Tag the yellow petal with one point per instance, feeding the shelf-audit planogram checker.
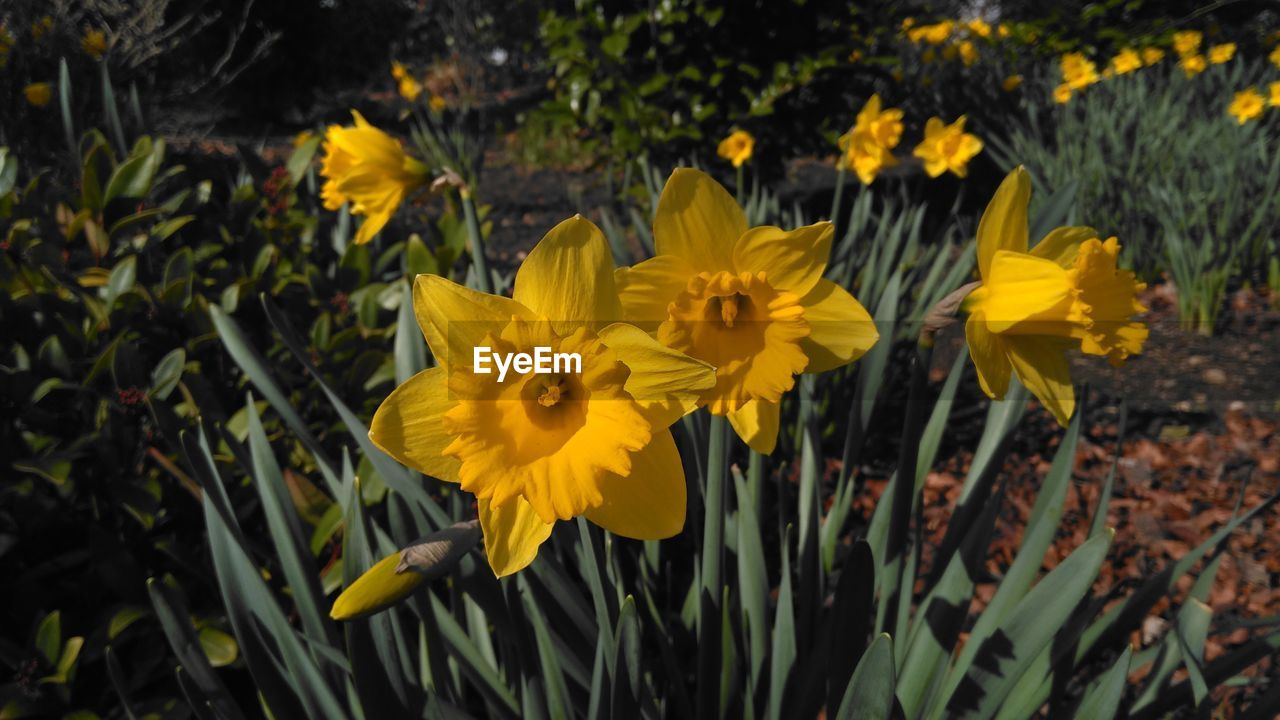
(667, 383)
(407, 425)
(1004, 223)
(454, 318)
(756, 423)
(791, 260)
(989, 357)
(648, 504)
(568, 278)
(840, 329)
(1025, 289)
(1041, 364)
(649, 287)
(1061, 244)
(377, 589)
(698, 220)
(512, 534)
(373, 224)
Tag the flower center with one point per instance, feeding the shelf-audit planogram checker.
(746, 328)
(550, 438)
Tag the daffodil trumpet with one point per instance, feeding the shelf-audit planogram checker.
(536, 448)
(751, 302)
(1037, 303)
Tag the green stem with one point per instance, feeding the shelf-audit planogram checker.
(837, 198)
(903, 491)
(741, 172)
(484, 282)
(709, 615)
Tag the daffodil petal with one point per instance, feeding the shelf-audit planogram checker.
(792, 260)
(665, 382)
(568, 278)
(377, 589)
(1061, 244)
(407, 425)
(648, 504)
(840, 329)
(455, 319)
(698, 220)
(1041, 364)
(512, 534)
(990, 357)
(1004, 223)
(1023, 288)
(647, 289)
(756, 423)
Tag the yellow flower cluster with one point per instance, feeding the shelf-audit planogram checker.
(411, 89)
(1078, 73)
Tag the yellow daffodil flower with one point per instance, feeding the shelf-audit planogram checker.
(1034, 305)
(934, 34)
(1011, 83)
(868, 147)
(968, 53)
(947, 147)
(1126, 61)
(1078, 72)
(536, 447)
(41, 28)
(94, 43)
(1248, 104)
(1187, 42)
(752, 302)
(437, 103)
(1273, 94)
(1193, 65)
(1062, 94)
(1219, 54)
(398, 70)
(1003, 31)
(1152, 55)
(368, 168)
(737, 148)
(979, 27)
(38, 94)
(407, 85)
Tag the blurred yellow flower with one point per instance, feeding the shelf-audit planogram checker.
(38, 94)
(1192, 65)
(1152, 55)
(934, 34)
(94, 43)
(855, 56)
(1126, 61)
(1219, 54)
(1273, 94)
(751, 302)
(1011, 83)
(908, 23)
(947, 147)
(1034, 305)
(41, 27)
(1247, 104)
(1002, 30)
(1187, 42)
(1078, 72)
(1274, 57)
(398, 70)
(437, 103)
(1062, 93)
(302, 137)
(979, 27)
(534, 447)
(867, 148)
(409, 88)
(968, 53)
(368, 168)
(737, 148)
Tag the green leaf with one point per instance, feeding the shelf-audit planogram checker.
(49, 636)
(784, 636)
(121, 280)
(870, 692)
(627, 664)
(123, 618)
(133, 177)
(166, 374)
(1028, 629)
(171, 610)
(220, 648)
(1101, 700)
